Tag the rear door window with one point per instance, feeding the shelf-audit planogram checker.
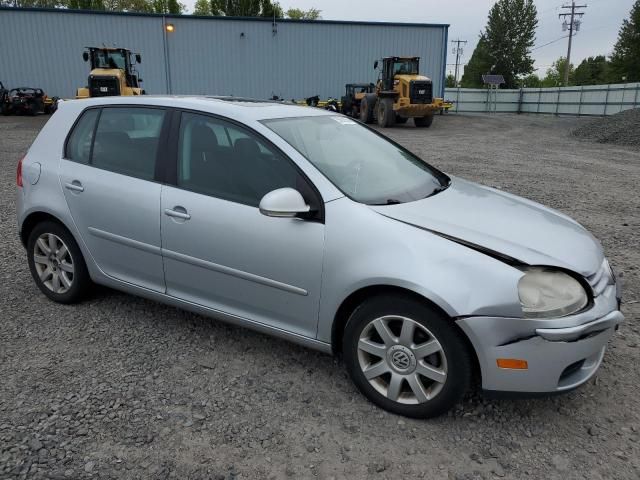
(127, 139)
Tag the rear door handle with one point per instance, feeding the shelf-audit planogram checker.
(75, 186)
(177, 212)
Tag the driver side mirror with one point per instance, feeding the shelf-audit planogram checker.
(85, 56)
(138, 58)
(375, 65)
(283, 203)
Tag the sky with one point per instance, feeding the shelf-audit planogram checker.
(467, 18)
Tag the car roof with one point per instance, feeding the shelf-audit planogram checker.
(244, 109)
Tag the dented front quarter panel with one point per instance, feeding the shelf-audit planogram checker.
(364, 249)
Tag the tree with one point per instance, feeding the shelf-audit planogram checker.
(168, 6)
(270, 9)
(246, 8)
(479, 64)
(298, 14)
(530, 81)
(202, 7)
(510, 36)
(85, 5)
(625, 60)
(450, 82)
(593, 71)
(555, 74)
(32, 3)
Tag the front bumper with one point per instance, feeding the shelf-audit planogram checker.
(561, 353)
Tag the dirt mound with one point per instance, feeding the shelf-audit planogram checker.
(620, 129)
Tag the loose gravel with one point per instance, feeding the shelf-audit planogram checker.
(621, 129)
(121, 387)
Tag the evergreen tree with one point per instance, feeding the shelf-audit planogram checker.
(625, 60)
(593, 71)
(479, 64)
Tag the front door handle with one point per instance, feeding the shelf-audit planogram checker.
(75, 186)
(177, 212)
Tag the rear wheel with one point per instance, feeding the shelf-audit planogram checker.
(386, 115)
(367, 106)
(56, 263)
(406, 357)
(423, 122)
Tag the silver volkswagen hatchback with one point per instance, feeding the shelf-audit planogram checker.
(310, 226)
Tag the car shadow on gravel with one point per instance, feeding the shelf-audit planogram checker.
(239, 341)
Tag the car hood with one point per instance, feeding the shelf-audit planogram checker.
(503, 223)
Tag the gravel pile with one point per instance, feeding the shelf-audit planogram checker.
(119, 387)
(620, 129)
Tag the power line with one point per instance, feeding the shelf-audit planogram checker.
(575, 20)
(549, 43)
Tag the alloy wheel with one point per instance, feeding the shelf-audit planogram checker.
(402, 359)
(53, 263)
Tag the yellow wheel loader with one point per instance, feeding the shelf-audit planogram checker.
(112, 73)
(401, 93)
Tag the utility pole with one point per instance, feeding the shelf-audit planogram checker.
(572, 26)
(458, 51)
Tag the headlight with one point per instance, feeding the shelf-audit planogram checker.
(546, 293)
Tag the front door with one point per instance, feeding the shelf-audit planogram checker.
(109, 186)
(219, 251)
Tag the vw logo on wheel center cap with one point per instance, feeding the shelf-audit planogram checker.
(401, 359)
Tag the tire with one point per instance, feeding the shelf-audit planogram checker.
(69, 267)
(448, 360)
(367, 108)
(423, 122)
(386, 115)
(401, 120)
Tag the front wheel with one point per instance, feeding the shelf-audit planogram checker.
(406, 357)
(386, 116)
(56, 263)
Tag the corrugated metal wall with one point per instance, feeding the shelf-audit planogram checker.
(587, 100)
(212, 56)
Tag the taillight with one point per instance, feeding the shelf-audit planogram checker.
(19, 173)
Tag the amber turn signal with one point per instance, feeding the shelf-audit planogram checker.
(512, 363)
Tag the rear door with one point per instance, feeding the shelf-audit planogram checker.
(109, 180)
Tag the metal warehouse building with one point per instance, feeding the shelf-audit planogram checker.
(251, 57)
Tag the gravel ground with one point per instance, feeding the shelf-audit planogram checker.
(120, 387)
(621, 129)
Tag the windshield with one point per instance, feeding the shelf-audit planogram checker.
(405, 67)
(362, 164)
(108, 59)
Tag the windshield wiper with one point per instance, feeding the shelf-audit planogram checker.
(390, 201)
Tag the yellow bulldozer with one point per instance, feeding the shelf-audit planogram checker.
(112, 73)
(401, 93)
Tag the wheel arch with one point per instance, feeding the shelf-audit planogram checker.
(33, 219)
(350, 303)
